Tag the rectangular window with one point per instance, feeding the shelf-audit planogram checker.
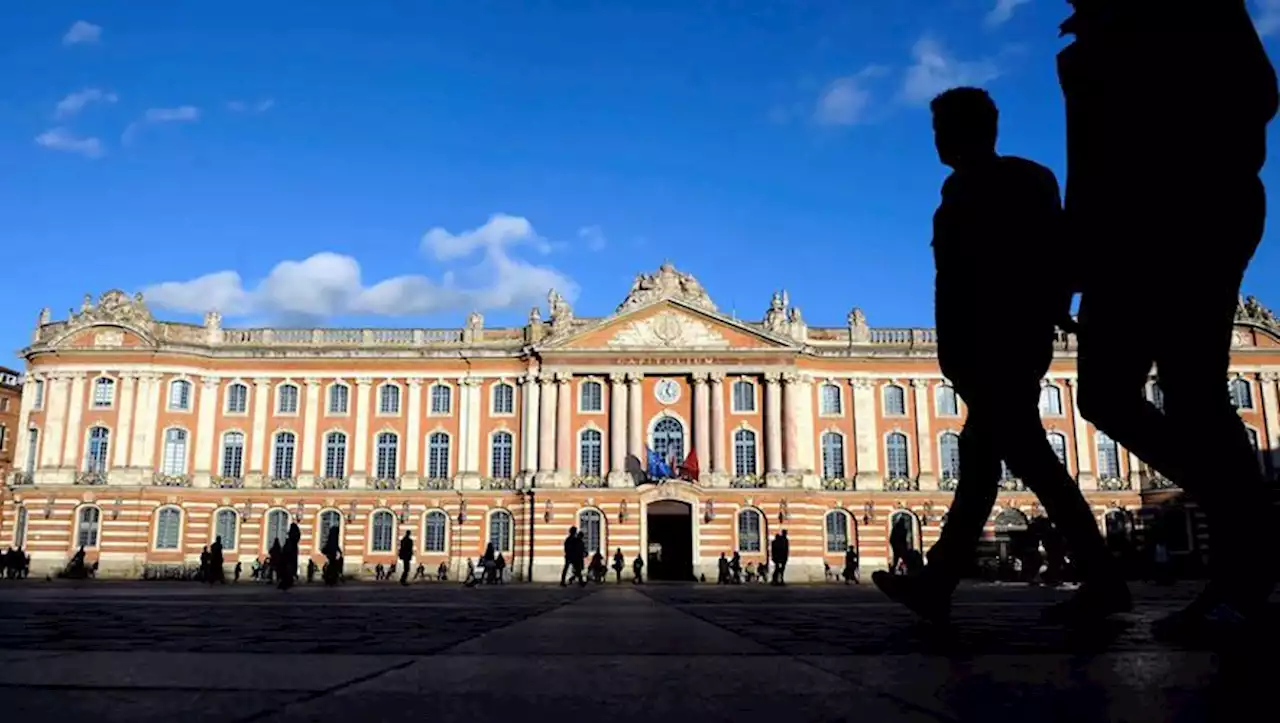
(33, 445)
(38, 401)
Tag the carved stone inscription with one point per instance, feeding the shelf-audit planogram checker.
(668, 330)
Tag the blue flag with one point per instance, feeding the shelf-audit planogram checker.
(658, 468)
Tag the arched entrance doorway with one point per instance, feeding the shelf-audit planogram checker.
(670, 540)
(1011, 538)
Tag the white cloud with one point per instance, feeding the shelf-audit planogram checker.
(60, 139)
(1267, 17)
(240, 106)
(1003, 11)
(75, 102)
(935, 71)
(594, 237)
(845, 100)
(327, 284)
(82, 32)
(181, 114)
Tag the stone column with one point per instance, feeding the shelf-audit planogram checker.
(360, 457)
(530, 392)
(56, 404)
(618, 431)
(635, 418)
(1134, 466)
(124, 403)
(1270, 437)
(143, 446)
(22, 434)
(701, 422)
(719, 457)
(928, 479)
(806, 443)
(866, 435)
(311, 411)
(469, 455)
(547, 431)
(791, 416)
(773, 427)
(1084, 460)
(564, 432)
(75, 411)
(413, 433)
(258, 444)
(205, 442)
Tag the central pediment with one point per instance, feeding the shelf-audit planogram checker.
(668, 329)
(669, 325)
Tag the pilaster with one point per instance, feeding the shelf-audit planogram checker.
(360, 456)
(1080, 432)
(547, 431)
(618, 431)
(773, 428)
(719, 456)
(866, 435)
(125, 402)
(928, 479)
(469, 455)
(311, 411)
(413, 432)
(143, 449)
(55, 419)
(701, 421)
(206, 417)
(258, 436)
(635, 422)
(21, 457)
(75, 411)
(1271, 418)
(530, 396)
(564, 431)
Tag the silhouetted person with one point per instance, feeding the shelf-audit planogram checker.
(239, 569)
(216, 561)
(273, 559)
(722, 569)
(735, 568)
(850, 572)
(311, 570)
(899, 543)
(406, 555)
(571, 554)
(637, 570)
(205, 573)
(619, 562)
(1167, 109)
(288, 569)
(333, 558)
(994, 249)
(781, 550)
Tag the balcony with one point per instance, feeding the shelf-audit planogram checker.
(838, 484)
(747, 482)
(1114, 484)
(949, 484)
(282, 483)
(901, 484)
(1012, 484)
(227, 483)
(91, 478)
(20, 479)
(588, 482)
(386, 483)
(498, 483)
(437, 483)
(171, 480)
(1158, 482)
(333, 483)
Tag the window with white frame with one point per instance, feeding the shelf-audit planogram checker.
(948, 405)
(837, 524)
(99, 448)
(330, 524)
(20, 530)
(33, 447)
(38, 401)
(282, 456)
(501, 457)
(1241, 393)
(744, 396)
(504, 398)
(1050, 401)
(168, 526)
(237, 398)
(589, 453)
(441, 399)
(591, 525)
(438, 455)
(897, 461)
(335, 455)
(1058, 443)
(87, 523)
(750, 531)
(339, 398)
(500, 530)
(388, 399)
(388, 455)
(232, 454)
(895, 401)
(435, 528)
(832, 455)
(179, 395)
(104, 392)
(829, 400)
(225, 526)
(591, 396)
(384, 526)
(277, 528)
(744, 453)
(1108, 456)
(949, 456)
(288, 399)
(173, 461)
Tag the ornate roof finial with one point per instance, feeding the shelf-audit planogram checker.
(667, 283)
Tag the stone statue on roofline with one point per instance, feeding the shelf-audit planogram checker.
(859, 331)
(666, 283)
(1250, 310)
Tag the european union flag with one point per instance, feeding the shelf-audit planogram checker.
(658, 467)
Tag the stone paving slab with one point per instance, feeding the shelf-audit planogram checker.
(132, 706)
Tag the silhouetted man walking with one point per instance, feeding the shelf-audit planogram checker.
(406, 555)
(998, 286)
(1167, 108)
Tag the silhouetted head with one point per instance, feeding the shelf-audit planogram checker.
(964, 126)
(573, 532)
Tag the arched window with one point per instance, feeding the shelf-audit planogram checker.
(104, 392)
(829, 400)
(87, 523)
(339, 398)
(501, 455)
(902, 527)
(384, 526)
(591, 525)
(949, 455)
(897, 463)
(832, 455)
(237, 398)
(277, 528)
(948, 405)
(838, 539)
(744, 396)
(232, 454)
(504, 398)
(744, 453)
(174, 459)
(388, 447)
(179, 395)
(668, 439)
(1241, 393)
(591, 396)
(99, 447)
(895, 401)
(287, 403)
(1108, 456)
(335, 455)
(168, 525)
(20, 530)
(1156, 395)
(330, 523)
(500, 530)
(1058, 442)
(433, 536)
(750, 531)
(282, 464)
(225, 524)
(1050, 401)
(441, 399)
(388, 399)
(438, 455)
(589, 454)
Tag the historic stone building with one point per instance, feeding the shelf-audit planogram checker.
(10, 402)
(142, 439)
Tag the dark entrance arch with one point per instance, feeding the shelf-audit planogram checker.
(1011, 528)
(670, 541)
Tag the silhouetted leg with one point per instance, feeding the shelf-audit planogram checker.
(974, 497)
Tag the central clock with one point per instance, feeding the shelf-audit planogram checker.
(667, 391)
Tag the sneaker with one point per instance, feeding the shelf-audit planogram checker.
(917, 593)
(1091, 604)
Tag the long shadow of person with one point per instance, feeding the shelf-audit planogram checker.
(994, 248)
(1166, 134)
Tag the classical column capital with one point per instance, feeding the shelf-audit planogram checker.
(414, 382)
(529, 378)
(547, 381)
(1269, 376)
(311, 382)
(563, 378)
(130, 376)
(471, 381)
(364, 381)
(790, 377)
(716, 377)
(862, 383)
(1070, 382)
(699, 378)
(210, 382)
(920, 383)
(634, 377)
(772, 377)
(618, 378)
(261, 382)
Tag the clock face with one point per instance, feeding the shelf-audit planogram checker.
(667, 391)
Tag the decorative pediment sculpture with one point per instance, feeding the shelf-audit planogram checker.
(670, 330)
(667, 283)
(1250, 310)
(775, 319)
(561, 313)
(859, 331)
(113, 307)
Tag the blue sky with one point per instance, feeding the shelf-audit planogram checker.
(400, 163)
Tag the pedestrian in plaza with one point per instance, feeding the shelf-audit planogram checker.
(203, 574)
(722, 569)
(239, 569)
(311, 570)
(995, 246)
(406, 556)
(216, 561)
(287, 570)
(619, 562)
(735, 568)
(571, 553)
(1167, 115)
(333, 558)
(851, 566)
(781, 550)
(637, 570)
(899, 543)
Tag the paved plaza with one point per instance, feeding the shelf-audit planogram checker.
(108, 651)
